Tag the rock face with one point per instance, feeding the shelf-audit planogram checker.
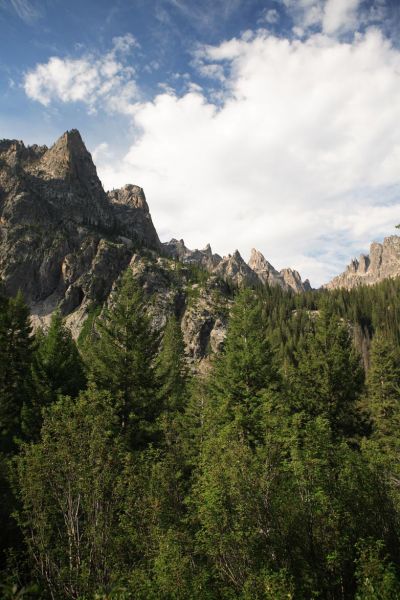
(286, 278)
(63, 241)
(233, 267)
(133, 216)
(382, 262)
(205, 258)
(202, 309)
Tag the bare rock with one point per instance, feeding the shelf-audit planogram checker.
(383, 262)
(234, 268)
(63, 240)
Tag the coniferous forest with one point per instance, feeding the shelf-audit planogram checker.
(274, 475)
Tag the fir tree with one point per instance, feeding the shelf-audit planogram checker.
(58, 362)
(383, 387)
(15, 369)
(57, 370)
(246, 371)
(328, 379)
(121, 360)
(171, 367)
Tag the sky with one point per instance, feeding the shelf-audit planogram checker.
(271, 124)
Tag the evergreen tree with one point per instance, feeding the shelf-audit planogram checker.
(70, 492)
(246, 371)
(328, 379)
(59, 367)
(383, 388)
(57, 370)
(15, 369)
(171, 367)
(121, 359)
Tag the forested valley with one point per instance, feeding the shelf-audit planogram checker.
(273, 475)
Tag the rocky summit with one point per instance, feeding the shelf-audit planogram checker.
(62, 238)
(233, 267)
(382, 262)
(64, 242)
(286, 278)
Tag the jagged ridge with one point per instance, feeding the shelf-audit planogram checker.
(64, 242)
(382, 262)
(257, 270)
(62, 238)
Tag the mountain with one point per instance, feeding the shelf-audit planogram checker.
(286, 278)
(382, 262)
(233, 267)
(62, 238)
(64, 242)
(177, 250)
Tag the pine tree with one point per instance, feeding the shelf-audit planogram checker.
(383, 387)
(171, 367)
(121, 360)
(59, 366)
(246, 371)
(15, 392)
(328, 379)
(15, 369)
(70, 493)
(57, 369)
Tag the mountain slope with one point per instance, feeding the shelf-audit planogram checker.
(62, 238)
(382, 262)
(64, 242)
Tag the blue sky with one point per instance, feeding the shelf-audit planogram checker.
(272, 124)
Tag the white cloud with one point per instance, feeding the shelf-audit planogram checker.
(90, 79)
(294, 148)
(331, 16)
(270, 16)
(301, 159)
(339, 14)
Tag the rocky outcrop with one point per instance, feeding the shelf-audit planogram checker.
(234, 268)
(293, 280)
(202, 309)
(133, 216)
(177, 250)
(63, 240)
(382, 262)
(287, 279)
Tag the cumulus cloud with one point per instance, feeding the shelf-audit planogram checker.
(269, 15)
(339, 14)
(301, 159)
(295, 150)
(331, 16)
(90, 79)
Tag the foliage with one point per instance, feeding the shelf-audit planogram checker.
(271, 474)
(121, 356)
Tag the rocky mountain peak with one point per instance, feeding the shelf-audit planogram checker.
(133, 216)
(63, 241)
(261, 266)
(382, 262)
(287, 279)
(69, 159)
(205, 258)
(237, 257)
(129, 195)
(293, 280)
(235, 268)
